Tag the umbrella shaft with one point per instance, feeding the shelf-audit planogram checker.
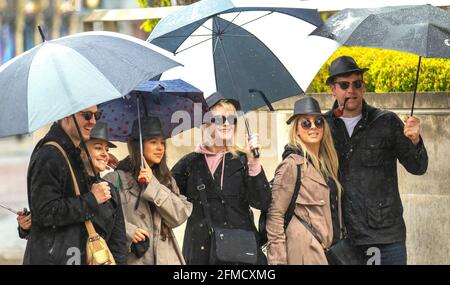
(140, 131)
(415, 85)
(9, 209)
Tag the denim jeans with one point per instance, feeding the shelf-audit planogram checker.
(385, 254)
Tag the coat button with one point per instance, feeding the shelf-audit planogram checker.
(142, 216)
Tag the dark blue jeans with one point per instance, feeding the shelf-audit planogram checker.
(385, 254)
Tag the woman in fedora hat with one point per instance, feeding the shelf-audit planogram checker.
(232, 182)
(317, 207)
(151, 201)
(109, 220)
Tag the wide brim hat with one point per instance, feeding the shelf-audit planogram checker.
(100, 132)
(216, 97)
(305, 106)
(343, 65)
(150, 127)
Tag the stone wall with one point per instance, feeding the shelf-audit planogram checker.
(426, 199)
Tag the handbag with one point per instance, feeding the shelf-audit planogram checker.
(140, 248)
(228, 246)
(341, 253)
(97, 251)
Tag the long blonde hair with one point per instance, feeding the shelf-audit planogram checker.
(327, 164)
(234, 149)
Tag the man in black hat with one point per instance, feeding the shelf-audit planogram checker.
(369, 142)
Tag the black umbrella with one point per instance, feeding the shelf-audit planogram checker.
(423, 30)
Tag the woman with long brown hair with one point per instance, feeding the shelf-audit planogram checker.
(316, 221)
(151, 202)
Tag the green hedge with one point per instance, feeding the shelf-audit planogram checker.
(390, 71)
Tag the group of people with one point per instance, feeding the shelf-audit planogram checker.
(341, 165)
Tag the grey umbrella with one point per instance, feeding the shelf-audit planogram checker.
(423, 30)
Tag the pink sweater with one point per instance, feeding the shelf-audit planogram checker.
(213, 160)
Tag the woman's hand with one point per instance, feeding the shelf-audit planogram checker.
(139, 235)
(145, 173)
(253, 142)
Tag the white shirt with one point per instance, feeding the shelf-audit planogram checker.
(350, 123)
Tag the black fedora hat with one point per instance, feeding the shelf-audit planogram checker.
(100, 132)
(343, 65)
(305, 106)
(150, 127)
(216, 97)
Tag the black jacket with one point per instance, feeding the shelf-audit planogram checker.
(239, 189)
(373, 211)
(58, 228)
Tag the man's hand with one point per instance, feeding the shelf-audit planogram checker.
(101, 191)
(24, 220)
(412, 129)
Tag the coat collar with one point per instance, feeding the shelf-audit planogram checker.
(57, 134)
(311, 172)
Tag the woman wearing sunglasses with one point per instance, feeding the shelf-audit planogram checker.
(232, 181)
(108, 221)
(317, 206)
(151, 201)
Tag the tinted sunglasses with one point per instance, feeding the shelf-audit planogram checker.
(88, 115)
(220, 120)
(307, 124)
(357, 84)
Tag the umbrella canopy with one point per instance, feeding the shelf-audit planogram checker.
(161, 99)
(61, 77)
(423, 29)
(231, 46)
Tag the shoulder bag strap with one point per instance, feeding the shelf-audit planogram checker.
(290, 209)
(89, 226)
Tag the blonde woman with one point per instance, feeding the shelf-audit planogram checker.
(317, 206)
(219, 169)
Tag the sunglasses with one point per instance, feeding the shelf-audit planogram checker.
(307, 124)
(357, 84)
(220, 120)
(88, 115)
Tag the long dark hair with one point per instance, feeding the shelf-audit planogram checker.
(161, 171)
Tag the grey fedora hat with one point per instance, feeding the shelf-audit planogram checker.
(305, 106)
(343, 65)
(100, 132)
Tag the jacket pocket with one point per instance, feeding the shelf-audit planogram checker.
(381, 213)
(371, 157)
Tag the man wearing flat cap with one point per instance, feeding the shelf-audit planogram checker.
(369, 141)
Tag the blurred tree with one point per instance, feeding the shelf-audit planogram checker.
(148, 25)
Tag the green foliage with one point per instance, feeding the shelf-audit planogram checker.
(149, 24)
(391, 71)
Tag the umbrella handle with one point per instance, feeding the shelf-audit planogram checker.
(255, 151)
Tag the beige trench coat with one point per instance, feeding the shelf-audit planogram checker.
(167, 210)
(297, 245)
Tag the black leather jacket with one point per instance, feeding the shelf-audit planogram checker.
(373, 211)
